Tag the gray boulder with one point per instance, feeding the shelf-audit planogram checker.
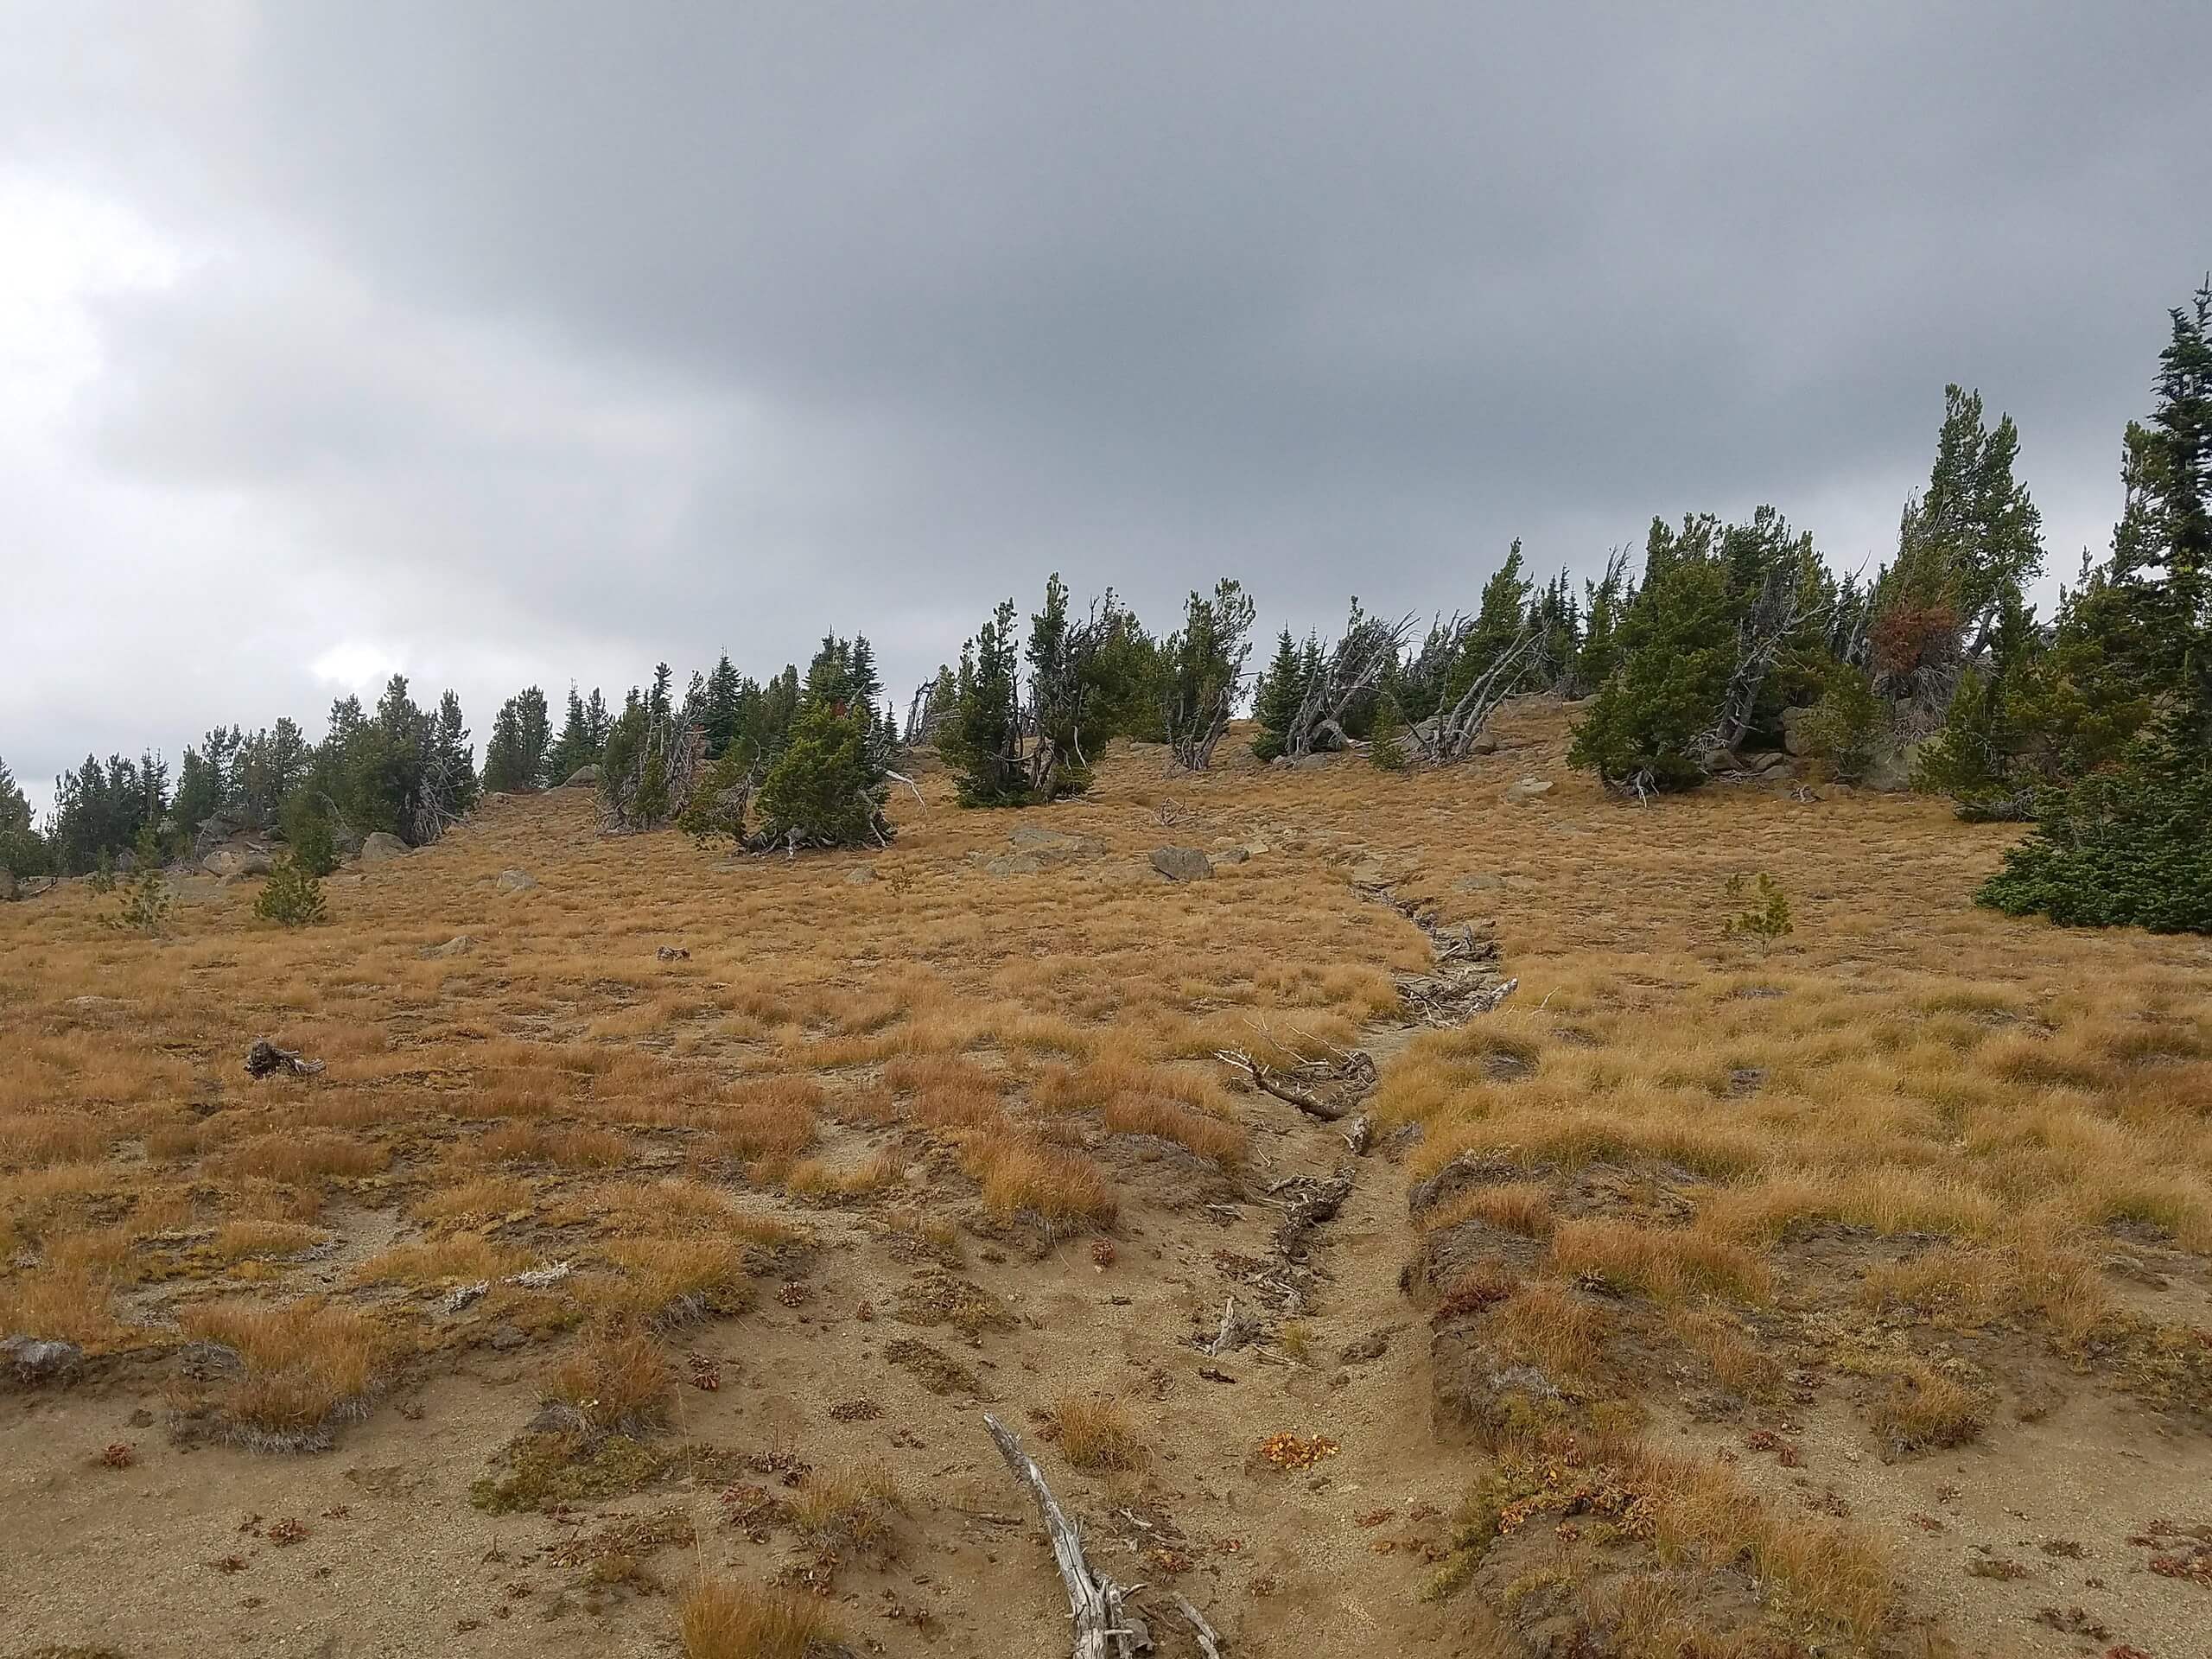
(1763, 760)
(515, 881)
(37, 1360)
(1889, 767)
(1523, 790)
(459, 945)
(582, 778)
(1793, 737)
(380, 848)
(1182, 863)
(1012, 864)
(859, 875)
(229, 861)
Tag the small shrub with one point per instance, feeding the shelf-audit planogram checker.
(1766, 917)
(291, 897)
(145, 906)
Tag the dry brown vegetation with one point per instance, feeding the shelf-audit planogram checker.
(1740, 1255)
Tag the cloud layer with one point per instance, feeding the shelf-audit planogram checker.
(538, 341)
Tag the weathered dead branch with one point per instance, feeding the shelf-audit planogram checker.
(264, 1058)
(1105, 1628)
(1328, 1090)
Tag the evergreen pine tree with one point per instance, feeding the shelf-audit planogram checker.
(1276, 696)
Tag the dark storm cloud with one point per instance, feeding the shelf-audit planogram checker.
(578, 336)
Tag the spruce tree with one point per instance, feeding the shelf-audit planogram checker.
(2125, 843)
(1276, 696)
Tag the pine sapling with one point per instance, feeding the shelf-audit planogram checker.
(1766, 915)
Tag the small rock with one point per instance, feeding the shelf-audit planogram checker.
(1763, 760)
(556, 1417)
(379, 848)
(506, 1338)
(37, 1360)
(459, 945)
(582, 778)
(1012, 864)
(210, 1361)
(672, 953)
(1232, 855)
(1310, 762)
(860, 876)
(1478, 882)
(1524, 790)
(515, 881)
(1483, 744)
(1182, 863)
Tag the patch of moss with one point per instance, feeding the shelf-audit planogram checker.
(544, 1471)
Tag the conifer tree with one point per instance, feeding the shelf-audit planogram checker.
(1276, 696)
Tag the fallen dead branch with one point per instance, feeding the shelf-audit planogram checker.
(264, 1057)
(1328, 1090)
(1105, 1628)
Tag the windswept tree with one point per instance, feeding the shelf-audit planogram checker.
(1968, 546)
(1205, 663)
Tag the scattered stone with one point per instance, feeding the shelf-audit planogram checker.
(210, 1361)
(1182, 863)
(35, 1359)
(582, 778)
(1012, 864)
(861, 876)
(558, 1417)
(1745, 1080)
(459, 945)
(506, 1338)
(1232, 855)
(380, 848)
(1483, 744)
(1309, 762)
(1794, 739)
(1524, 790)
(1480, 881)
(672, 953)
(462, 1295)
(232, 862)
(1763, 760)
(515, 881)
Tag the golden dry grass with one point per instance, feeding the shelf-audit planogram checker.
(1097, 1436)
(1675, 1122)
(720, 1618)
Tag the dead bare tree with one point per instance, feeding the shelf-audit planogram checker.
(1789, 599)
(1450, 737)
(1354, 666)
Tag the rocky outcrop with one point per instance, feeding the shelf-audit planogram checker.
(1182, 863)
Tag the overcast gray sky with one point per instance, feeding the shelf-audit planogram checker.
(536, 341)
